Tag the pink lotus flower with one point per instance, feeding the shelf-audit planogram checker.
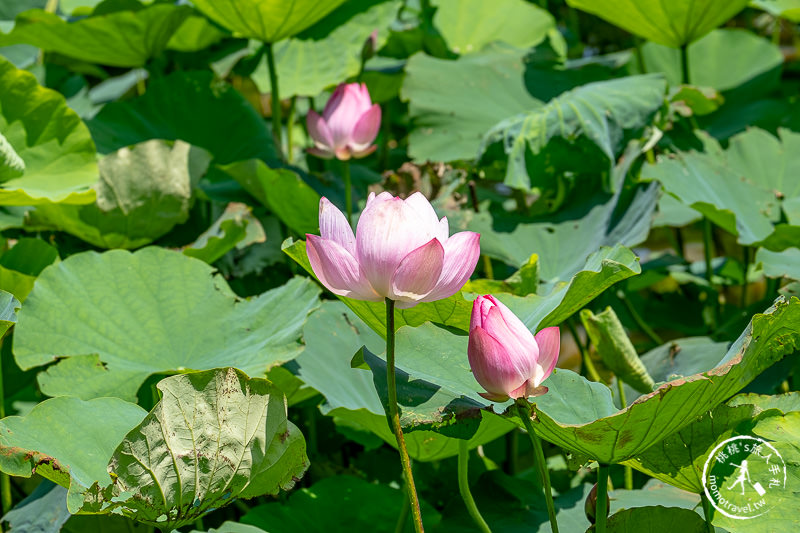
(348, 125)
(506, 358)
(400, 251)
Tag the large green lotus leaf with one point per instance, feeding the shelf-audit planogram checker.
(788, 9)
(656, 519)
(654, 492)
(783, 433)
(119, 39)
(515, 22)
(281, 190)
(215, 436)
(143, 192)
(723, 59)
(148, 312)
(337, 504)
(61, 440)
(579, 415)
(672, 23)
(453, 311)
(56, 148)
(333, 334)
(683, 357)
(600, 112)
(329, 51)
(453, 103)
(563, 242)
(266, 20)
(679, 459)
(780, 264)
(193, 107)
(9, 9)
(739, 189)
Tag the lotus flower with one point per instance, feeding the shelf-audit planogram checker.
(348, 125)
(506, 358)
(400, 251)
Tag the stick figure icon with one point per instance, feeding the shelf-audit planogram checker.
(743, 474)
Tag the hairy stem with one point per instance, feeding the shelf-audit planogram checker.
(394, 419)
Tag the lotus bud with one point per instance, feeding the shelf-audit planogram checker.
(506, 358)
(370, 46)
(348, 125)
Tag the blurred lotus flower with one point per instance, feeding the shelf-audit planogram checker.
(348, 125)
(506, 358)
(400, 251)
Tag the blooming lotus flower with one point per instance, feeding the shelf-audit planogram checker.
(400, 251)
(506, 358)
(348, 125)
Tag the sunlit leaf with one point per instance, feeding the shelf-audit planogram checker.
(139, 314)
(55, 146)
(671, 23)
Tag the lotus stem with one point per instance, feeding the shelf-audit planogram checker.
(5, 479)
(707, 512)
(463, 487)
(276, 100)
(394, 419)
(348, 191)
(290, 129)
(523, 410)
(602, 499)
(644, 326)
(707, 252)
(746, 257)
(685, 64)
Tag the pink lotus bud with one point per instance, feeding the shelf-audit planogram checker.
(348, 125)
(506, 358)
(401, 251)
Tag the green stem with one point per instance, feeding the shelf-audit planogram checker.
(198, 524)
(746, 254)
(624, 403)
(707, 248)
(685, 64)
(707, 512)
(290, 129)
(348, 191)
(640, 56)
(394, 419)
(523, 410)
(463, 487)
(644, 326)
(5, 479)
(679, 243)
(276, 100)
(587, 361)
(602, 499)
